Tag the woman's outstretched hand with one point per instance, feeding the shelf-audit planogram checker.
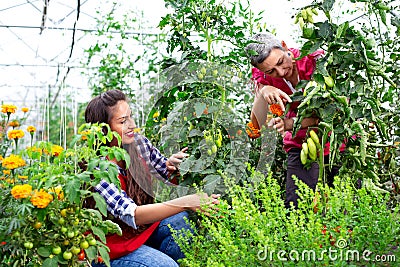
(274, 95)
(176, 159)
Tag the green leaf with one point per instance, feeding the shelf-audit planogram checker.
(342, 28)
(211, 182)
(100, 203)
(72, 189)
(91, 252)
(44, 251)
(50, 262)
(99, 233)
(327, 5)
(199, 107)
(93, 163)
(382, 13)
(104, 254)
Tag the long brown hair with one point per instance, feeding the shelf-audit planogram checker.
(138, 183)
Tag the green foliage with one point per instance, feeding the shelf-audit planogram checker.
(198, 108)
(204, 100)
(254, 228)
(210, 30)
(112, 63)
(356, 88)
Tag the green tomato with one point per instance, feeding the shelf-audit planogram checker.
(84, 244)
(75, 250)
(67, 255)
(63, 212)
(64, 229)
(92, 241)
(28, 245)
(70, 234)
(56, 250)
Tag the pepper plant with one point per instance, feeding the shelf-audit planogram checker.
(355, 88)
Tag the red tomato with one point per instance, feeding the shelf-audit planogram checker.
(81, 255)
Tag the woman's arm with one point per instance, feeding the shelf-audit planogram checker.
(124, 208)
(155, 212)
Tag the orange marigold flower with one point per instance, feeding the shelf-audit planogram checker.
(56, 150)
(16, 134)
(276, 109)
(252, 131)
(6, 172)
(41, 199)
(21, 191)
(8, 109)
(84, 134)
(1, 157)
(23, 177)
(25, 110)
(31, 129)
(13, 123)
(12, 162)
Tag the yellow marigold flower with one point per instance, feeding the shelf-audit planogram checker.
(16, 134)
(12, 162)
(21, 191)
(10, 181)
(164, 119)
(41, 199)
(156, 114)
(25, 110)
(1, 157)
(56, 150)
(58, 191)
(31, 129)
(137, 130)
(23, 177)
(8, 109)
(13, 123)
(6, 172)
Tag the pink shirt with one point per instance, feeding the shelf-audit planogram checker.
(305, 68)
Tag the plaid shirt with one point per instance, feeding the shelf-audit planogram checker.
(118, 203)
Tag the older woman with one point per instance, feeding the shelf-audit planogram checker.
(277, 71)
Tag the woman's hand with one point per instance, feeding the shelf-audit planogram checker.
(194, 202)
(274, 95)
(174, 161)
(278, 124)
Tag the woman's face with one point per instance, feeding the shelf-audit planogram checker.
(278, 64)
(122, 122)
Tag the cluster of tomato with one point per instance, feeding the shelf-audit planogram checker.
(70, 235)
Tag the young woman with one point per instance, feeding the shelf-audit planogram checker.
(146, 238)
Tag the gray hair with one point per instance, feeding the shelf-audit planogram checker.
(261, 47)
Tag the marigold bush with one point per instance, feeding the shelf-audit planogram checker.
(41, 194)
